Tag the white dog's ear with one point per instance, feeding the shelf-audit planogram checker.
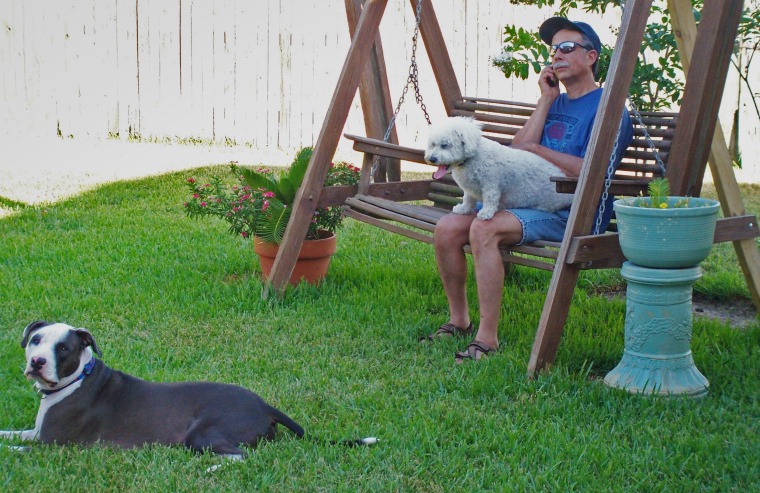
(469, 132)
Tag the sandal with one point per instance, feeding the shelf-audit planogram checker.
(448, 330)
(472, 351)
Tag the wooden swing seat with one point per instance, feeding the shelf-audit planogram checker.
(415, 211)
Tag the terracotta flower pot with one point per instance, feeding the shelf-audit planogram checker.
(313, 259)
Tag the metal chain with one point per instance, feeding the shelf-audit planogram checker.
(608, 180)
(648, 137)
(611, 167)
(411, 80)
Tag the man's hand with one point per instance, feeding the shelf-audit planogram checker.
(548, 83)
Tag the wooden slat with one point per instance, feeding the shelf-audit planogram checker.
(380, 148)
(492, 108)
(382, 212)
(566, 184)
(452, 190)
(415, 235)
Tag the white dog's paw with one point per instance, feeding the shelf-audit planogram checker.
(461, 209)
(486, 214)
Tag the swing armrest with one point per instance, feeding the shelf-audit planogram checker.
(629, 187)
(381, 148)
(603, 251)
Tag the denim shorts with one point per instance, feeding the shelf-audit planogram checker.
(539, 225)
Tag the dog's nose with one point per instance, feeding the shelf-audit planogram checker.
(432, 160)
(38, 363)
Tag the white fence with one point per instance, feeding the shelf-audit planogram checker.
(259, 72)
(255, 71)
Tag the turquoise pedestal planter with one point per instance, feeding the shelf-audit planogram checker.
(664, 248)
(657, 357)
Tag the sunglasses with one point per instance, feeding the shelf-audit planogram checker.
(567, 47)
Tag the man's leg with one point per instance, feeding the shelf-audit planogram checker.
(451, 234)
(485, 238)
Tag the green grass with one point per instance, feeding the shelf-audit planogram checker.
(169, 299)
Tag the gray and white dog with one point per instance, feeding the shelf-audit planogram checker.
(85, 402)
(497, 175)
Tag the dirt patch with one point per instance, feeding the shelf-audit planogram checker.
(739, 313)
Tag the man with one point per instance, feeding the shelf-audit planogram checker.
(559, 131)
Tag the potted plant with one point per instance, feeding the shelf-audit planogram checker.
(664, 239)
(258, 205)
(661, 231)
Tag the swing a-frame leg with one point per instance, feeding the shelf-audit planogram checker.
(590, 184)
(308, 195)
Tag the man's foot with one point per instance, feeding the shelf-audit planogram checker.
(475, 351)
(448, 330)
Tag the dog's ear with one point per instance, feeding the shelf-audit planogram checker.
(470, 134)
(31, 328)
(88, 340)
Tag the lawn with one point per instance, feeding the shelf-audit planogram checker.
(169, 298)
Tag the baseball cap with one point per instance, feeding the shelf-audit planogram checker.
(550, 27)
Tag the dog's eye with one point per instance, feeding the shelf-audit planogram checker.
(444, 145)
(35, 340)
(63, 348)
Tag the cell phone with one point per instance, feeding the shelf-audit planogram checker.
(552, 82)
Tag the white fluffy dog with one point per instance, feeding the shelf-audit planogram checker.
(497, 175)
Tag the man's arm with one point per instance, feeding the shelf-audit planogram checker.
(531, 132)
(570, 165)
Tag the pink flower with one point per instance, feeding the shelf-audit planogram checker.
(268, 195)
(244, 234)
(265, 205)
(203, 204)
(195, 195)
(191, 180)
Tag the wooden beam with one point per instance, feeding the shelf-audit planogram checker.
(721, 164)
(308, 195)
(705, 80)
(439, 57)
(375, 97)
(597, 248)
(590, 183)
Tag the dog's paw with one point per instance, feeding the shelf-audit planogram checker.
(461, 209)
(486, 214)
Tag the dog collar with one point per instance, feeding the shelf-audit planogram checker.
(85, 372)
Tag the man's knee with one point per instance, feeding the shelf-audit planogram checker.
(503, 229)
(452, 228)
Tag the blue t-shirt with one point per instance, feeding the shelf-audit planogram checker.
(568, 130)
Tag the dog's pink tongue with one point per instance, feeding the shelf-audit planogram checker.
(439, 172)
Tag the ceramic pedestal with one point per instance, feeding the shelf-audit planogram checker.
(657, 357)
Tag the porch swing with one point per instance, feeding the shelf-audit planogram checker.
(680, 140)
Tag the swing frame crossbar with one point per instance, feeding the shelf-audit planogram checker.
(689, 149)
